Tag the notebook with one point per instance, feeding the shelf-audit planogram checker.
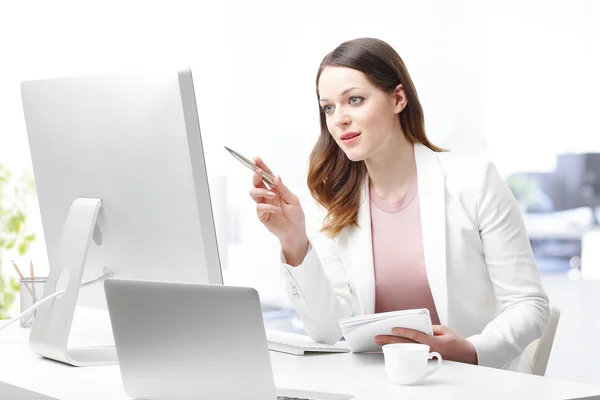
(360, 331)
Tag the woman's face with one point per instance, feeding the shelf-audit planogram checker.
(361, 118)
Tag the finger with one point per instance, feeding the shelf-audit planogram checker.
(262, 208)
(260, 195)
(389, 339)
(261, 164)
(440, 330)
(412, 334)
(257, 180)
(286, 194)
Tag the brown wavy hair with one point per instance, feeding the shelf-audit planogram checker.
(334, 181)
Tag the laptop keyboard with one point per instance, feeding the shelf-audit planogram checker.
(292, 398)
(292, 394)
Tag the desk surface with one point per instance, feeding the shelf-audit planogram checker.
(362, 375)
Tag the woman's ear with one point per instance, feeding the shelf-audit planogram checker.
(400, 99)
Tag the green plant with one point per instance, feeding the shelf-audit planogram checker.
(8, 294)
(15, 236)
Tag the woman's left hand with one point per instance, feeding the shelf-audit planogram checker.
(449, 344)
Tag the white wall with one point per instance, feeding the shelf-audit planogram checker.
(541, 81)
(515, 78)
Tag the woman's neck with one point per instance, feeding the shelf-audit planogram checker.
(392, 168)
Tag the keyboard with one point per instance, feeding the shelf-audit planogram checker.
(294, 343)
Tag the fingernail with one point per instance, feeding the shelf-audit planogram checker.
(270, 195)
(379, 342)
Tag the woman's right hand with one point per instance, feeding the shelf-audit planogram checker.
(280, 211)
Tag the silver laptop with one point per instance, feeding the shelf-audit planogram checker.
(183, 340)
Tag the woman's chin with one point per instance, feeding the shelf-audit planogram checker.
(354, 155)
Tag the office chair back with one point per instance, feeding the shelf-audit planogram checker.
(535, 357)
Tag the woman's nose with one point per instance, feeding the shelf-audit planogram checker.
(341, 118)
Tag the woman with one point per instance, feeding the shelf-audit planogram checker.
(400, 223)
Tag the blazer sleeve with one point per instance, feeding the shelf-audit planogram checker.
(319, 287)
(513, 273)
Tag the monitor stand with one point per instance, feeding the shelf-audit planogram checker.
(50, 332)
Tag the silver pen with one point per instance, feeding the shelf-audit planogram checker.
(267, 178)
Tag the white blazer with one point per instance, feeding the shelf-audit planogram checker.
(480, 266)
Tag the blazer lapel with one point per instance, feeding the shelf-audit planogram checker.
(360, 248)
(433, 224)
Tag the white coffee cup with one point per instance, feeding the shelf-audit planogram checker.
(406, 363)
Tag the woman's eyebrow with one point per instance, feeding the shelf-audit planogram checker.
(343, 93)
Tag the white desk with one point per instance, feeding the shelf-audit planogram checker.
(362, 375)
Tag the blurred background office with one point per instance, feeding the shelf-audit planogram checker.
(516, 80)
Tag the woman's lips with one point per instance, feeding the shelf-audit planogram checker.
(349, 138)
(349, 135)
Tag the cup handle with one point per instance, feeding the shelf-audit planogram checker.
(437, 366)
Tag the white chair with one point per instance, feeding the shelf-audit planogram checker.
(534, 359)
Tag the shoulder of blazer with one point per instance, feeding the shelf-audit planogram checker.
(467, 177)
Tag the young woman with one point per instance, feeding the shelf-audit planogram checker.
(400, 223)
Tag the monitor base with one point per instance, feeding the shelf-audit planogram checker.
(50, 332)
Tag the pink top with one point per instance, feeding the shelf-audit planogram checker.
(400, 276)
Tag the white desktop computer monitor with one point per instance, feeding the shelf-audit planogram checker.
(122, 185)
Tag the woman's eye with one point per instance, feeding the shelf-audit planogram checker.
(356, 100)
(327, 109)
